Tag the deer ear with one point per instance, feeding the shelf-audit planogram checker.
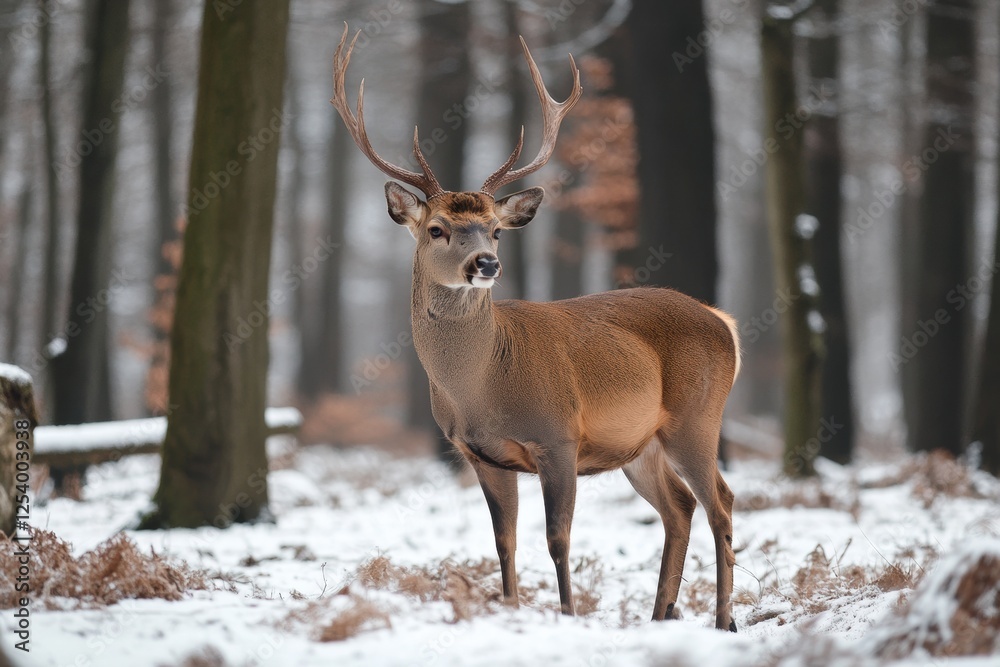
(518, 209)
(404, 206)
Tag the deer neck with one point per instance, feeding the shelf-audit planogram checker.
(454, 333)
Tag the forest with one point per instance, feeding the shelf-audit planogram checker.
(246, 419)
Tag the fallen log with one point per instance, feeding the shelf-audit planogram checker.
(65, 447)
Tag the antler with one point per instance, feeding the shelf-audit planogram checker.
(426, 181)
(552, 115)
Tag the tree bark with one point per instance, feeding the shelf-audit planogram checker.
(824, 169)
(81, 375)
(932, 354)
(512, 251)
(986, 422)
(161, 103)
(50, 288)
(321, 371)
(214, 468)
(785, 198)
(567, 255)
(445, 72)
(986, 419)
(673, 115)
(16, 288)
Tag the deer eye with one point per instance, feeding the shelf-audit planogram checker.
(435, 232)
(496, 234)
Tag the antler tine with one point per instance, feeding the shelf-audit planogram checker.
(422, 161)
(426, 181)
(492, 183)
(552, 115)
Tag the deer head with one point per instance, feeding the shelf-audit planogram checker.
(457, 233)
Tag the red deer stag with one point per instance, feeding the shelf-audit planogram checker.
(634, 379)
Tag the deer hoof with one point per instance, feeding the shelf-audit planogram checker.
(732, 626)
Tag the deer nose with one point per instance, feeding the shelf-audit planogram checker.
(488, 266)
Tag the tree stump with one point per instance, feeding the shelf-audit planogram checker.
(17, 423)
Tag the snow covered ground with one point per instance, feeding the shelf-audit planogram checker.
(807, 577)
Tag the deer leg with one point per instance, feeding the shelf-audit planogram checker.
(558, 476)
(696, 458)
(500, 488)
(655, 480)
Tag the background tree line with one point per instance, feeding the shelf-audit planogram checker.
(820, 169)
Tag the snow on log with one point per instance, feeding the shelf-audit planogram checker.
(955, 611)
(17, 422)
(87, 444)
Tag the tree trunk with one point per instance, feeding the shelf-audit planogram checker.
(322, 336)
(986, 422)
(81, 375)
(785, 198)
(567, 255)
(673, 115)
(444, 83)
(214, 462)
(162, 117)
(50, 288)
(986, 419)
(512, 250)
(824, 169)
(16, 288)
(932, 351)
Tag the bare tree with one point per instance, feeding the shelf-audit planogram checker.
(515, 268)
(933, 358)
(673, 114)
(161, 102)
(82, 373)
(214, 467)
(790, 234)
(321, 371)
(51, 291)
(824, 169)
(986, 418)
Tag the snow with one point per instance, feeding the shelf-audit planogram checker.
(85, 437)
(806, 225)
(928, 619)
(336, 509)
(16, 375)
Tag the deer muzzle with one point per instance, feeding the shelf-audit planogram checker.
(483, 270)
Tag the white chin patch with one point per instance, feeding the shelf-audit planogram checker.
(481, 281)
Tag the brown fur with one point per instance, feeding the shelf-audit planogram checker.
(634, 379)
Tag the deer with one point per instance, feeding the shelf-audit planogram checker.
(632, 379)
